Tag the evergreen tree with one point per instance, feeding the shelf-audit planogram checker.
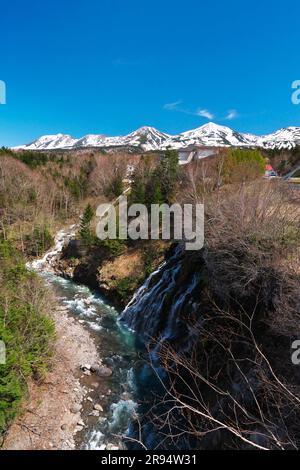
(157, 197)
(85, 222)
(168, 172)
(138, 192)
(117, 186)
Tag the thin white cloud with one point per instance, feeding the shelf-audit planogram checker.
(200, 112)
(177, 106)
(205, 113)
(173, 106)
(232, 114)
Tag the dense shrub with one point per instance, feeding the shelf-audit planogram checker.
(115, 247)
(26, 330)
(125, 287)
(38, 241)
(156, 184)
(32, 159)
(242, 165)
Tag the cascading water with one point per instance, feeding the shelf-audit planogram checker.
(158, 314)
(161, 307)
(164, 311)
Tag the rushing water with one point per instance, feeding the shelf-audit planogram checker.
(115, 344)
(154, 312)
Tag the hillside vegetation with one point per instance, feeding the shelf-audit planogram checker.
(38, 194)
(247, 246)
(25, 328)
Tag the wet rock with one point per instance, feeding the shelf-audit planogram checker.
(102, 420)
(98, 407)
(109, 362)
(101, 371)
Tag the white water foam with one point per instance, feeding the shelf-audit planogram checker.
(60, 240)
(91, 309)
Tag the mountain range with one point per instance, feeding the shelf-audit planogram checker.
(149, 138)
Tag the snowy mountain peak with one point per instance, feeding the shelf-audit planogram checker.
(212, 127)
(148, 138)
(285, 138)
(145, 129)
(49, 142)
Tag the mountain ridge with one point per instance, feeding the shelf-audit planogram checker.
(148, 138)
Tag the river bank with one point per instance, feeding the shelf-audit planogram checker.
(51, 417)
(86, 401)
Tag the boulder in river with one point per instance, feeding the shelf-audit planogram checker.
(98, 407)
(100, 370)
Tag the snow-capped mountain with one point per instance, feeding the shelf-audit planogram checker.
(286, 138)
(50, 142)
(149, 138)
(212, 135)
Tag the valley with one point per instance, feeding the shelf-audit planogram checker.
(184, 342)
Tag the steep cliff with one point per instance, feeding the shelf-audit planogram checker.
(217, 369)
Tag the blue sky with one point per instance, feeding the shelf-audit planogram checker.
(110, 66)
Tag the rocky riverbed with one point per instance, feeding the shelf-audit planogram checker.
(87, 400)
(51, 417)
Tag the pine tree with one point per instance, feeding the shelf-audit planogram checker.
(157, 197)
(169, 169)
(85, 221)
(117, 186)
(138, 192)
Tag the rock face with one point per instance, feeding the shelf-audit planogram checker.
(193, 321)
(116, 276)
